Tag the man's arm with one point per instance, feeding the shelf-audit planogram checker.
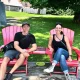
(33, 48)
(16, 46)
(33, 44)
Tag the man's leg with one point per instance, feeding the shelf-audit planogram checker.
(18, 63)
(3, 67)
(9, 55)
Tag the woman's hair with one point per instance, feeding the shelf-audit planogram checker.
(58, 23)
(61, 32)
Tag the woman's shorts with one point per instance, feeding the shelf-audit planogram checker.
(12, 54)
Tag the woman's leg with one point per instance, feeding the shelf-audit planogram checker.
(3, 67)
(64, 67)
(63, 64)
(58, 54)
(57, 57)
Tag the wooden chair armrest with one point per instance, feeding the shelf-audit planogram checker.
(48, 51)
(39, 50)
(77, 51)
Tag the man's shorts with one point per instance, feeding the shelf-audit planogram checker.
(12, 54)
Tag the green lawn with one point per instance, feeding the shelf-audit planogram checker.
(40, 27)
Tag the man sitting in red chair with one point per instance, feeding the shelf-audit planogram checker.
(22, 40)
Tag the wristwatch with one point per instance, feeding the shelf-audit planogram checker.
(70, 55)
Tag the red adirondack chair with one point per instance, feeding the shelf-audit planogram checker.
(8, 36)
(74, 63)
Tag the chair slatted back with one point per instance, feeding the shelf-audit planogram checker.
(9, 32)
(68, 32)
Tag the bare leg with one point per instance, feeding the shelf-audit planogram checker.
(18, 63)
(3, 67)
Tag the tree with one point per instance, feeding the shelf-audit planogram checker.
(37, 3)
(74, 5)
(63, 4)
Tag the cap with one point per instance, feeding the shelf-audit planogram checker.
(25, 23)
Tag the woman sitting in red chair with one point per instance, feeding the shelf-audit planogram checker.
(59, 44)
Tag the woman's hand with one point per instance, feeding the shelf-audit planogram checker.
(51, 49)
(70, 58)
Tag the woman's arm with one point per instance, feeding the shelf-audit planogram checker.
(68, 47)
(50, 43)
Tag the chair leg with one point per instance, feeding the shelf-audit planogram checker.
(76, 72)
(26, 67)
(50, 56)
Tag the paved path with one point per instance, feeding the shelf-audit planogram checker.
(37, 77)
(37, 72)
(13, 21)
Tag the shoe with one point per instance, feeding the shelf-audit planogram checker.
(49, 70)
(67, 76)
(8, 76)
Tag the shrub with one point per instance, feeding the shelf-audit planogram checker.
(60, 11)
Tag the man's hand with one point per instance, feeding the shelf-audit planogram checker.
(25, 53)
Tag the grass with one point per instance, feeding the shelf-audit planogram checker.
(40, 27)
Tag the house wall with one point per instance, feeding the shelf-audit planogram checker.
(5, 1)
(10, 6)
